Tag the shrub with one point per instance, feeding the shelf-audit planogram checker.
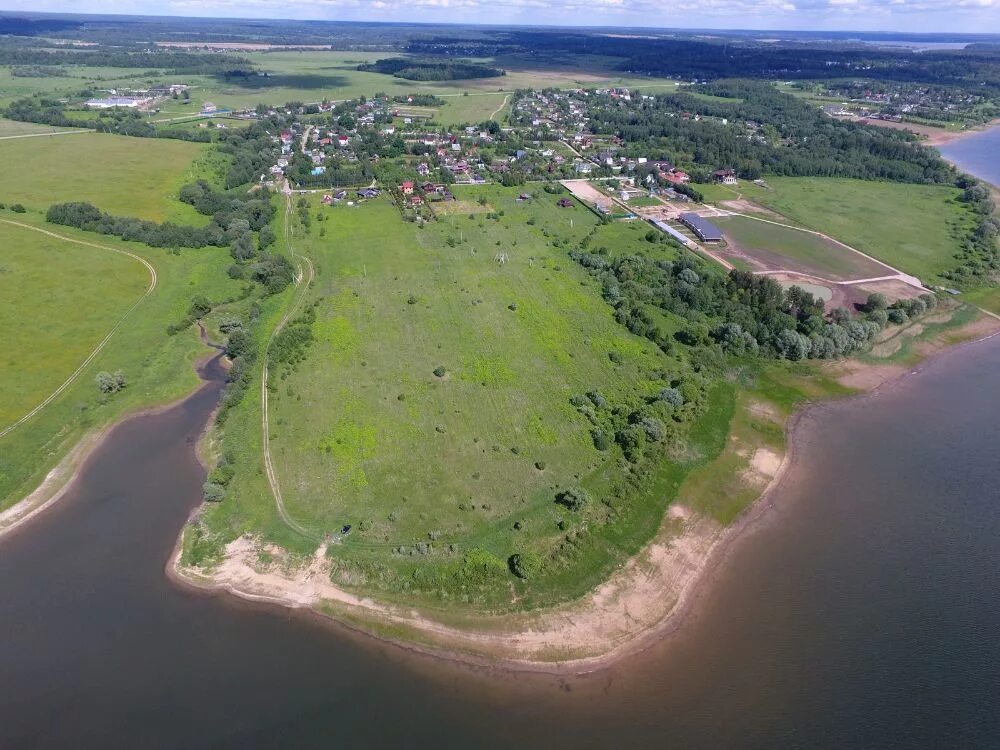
(573, 498)
(671, 396)
(482, 566)
(525, 564)
(200, 307)
(111, 383)
(440, 371)
(213, 493)
(601, 440)
(876, 301)
(18, 208)
(897, 316)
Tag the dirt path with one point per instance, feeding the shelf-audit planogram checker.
(97, 350)
(43, 135)
(498, 109)
(272, 475)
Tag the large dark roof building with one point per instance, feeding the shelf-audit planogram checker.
(706, 230)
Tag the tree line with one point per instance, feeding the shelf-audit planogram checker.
(431, 69)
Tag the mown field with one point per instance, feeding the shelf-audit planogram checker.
(59, 300)
(916, 228)
(125, 176)
(777, 247)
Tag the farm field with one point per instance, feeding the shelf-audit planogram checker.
(914, 228)
(118, 174)
(768, 246)
(45, 283)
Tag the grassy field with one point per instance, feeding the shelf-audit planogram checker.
(778, 247)
(916, 228)
(365, 433)
(159, 367)
(45, 283)
(10, 128)
(121, 175)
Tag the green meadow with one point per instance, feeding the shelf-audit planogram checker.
(45, 284)
(124, 176)
(432, 410)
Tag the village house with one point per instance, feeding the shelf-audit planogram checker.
(724, 176)
(406, 188)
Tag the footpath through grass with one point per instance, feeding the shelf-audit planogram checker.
(59, 300)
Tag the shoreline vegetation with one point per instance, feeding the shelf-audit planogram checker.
(645, 599)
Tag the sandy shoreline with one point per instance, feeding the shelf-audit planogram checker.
(644, 601)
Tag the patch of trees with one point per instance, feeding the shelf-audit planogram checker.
(109, 383)
(431, 69)
(979, 258)
(91, 219)
(739, 314)
(419, 100)
(243, 351)
(38, 71)
(793, 136)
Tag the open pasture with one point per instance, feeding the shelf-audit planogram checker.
(434, 404)
(118, 174)
(59, 300)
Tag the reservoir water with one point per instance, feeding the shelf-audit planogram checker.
(862, 612)
(977, 153)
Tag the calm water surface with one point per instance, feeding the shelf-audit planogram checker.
(977, 154)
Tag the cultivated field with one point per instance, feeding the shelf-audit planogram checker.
(121, 175)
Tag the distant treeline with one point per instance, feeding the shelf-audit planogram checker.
(38, 71)
(180, 62)
(430, 70)
(794, 137)
(730, 57)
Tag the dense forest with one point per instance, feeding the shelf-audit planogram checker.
(431, 70)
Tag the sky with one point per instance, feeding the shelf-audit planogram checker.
(863, 15)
